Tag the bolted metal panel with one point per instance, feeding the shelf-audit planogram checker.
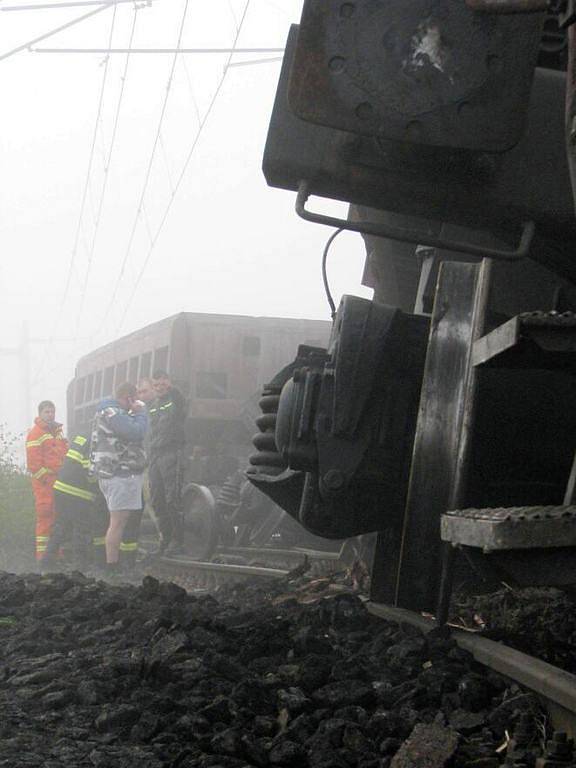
(432, 72)
(473, 190)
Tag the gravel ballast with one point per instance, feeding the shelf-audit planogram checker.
(120, 676)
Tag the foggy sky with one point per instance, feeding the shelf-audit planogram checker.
(230, 244)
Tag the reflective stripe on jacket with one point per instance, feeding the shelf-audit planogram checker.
(167, 422)
(74, 478)
(45, 449)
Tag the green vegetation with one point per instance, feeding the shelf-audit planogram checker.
(16, 508)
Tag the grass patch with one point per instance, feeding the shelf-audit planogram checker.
(17, 515)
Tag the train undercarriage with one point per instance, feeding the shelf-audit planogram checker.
(441, 416)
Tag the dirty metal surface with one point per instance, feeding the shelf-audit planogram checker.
(532, 339)
(431, 72)
(512, 528)
(531, 182)
(443, 422)
(508, 6)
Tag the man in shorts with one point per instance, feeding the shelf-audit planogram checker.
(119, 460)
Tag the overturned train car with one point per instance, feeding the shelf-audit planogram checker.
(441, 415)
(219, 362)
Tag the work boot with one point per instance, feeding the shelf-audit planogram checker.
(112, 573)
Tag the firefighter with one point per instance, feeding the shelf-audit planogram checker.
(167, 439)
(74, 497)
(45, 451)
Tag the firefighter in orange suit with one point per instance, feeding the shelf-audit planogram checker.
(45, 451)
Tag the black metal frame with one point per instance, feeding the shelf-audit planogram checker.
(416, 236)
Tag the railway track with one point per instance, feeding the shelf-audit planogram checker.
(554, 687)
(235, 564)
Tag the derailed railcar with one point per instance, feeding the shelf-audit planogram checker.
(218, 362)
(444, 410)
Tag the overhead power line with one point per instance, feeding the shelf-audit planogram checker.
(71, 4)
(61, 28)
(200, 51)
(84, 198)
(90, 163)
(148, 169)
(253, 61)
(107, 164)
(183, 171)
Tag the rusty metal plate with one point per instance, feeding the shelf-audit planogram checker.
(431, 72)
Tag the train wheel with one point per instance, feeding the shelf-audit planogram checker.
(200, 523)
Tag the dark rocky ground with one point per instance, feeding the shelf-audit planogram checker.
(121, 676)
(540, 622)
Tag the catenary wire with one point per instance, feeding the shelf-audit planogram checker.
(191, 89)
(183, 171)
(27, 46)
(148, 173)
(51, 6)
(108, 161)
(78, 233)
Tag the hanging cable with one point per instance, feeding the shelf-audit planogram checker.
(148, 172)
(84, 198)
(329, 242)
(184, 169)
(107, 163)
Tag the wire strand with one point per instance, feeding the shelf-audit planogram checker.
(107, 163)
(98, 124)
(148, 173)
(78, 232)
(183, 171)
(61, 28)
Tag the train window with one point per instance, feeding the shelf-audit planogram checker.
(121, 372)
(97, 385)
(108, 387)
(146, 365)
(89, 388)
(251, 346)
(89, 412)
(133, 370)
(211, 386)
(79, 391)
(161, 359)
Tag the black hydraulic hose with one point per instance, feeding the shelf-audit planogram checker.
(329, 242)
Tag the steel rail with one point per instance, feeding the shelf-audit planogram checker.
(555, 687)
(224, 568)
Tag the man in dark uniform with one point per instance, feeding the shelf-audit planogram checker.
(167, 439)
(75, 494)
